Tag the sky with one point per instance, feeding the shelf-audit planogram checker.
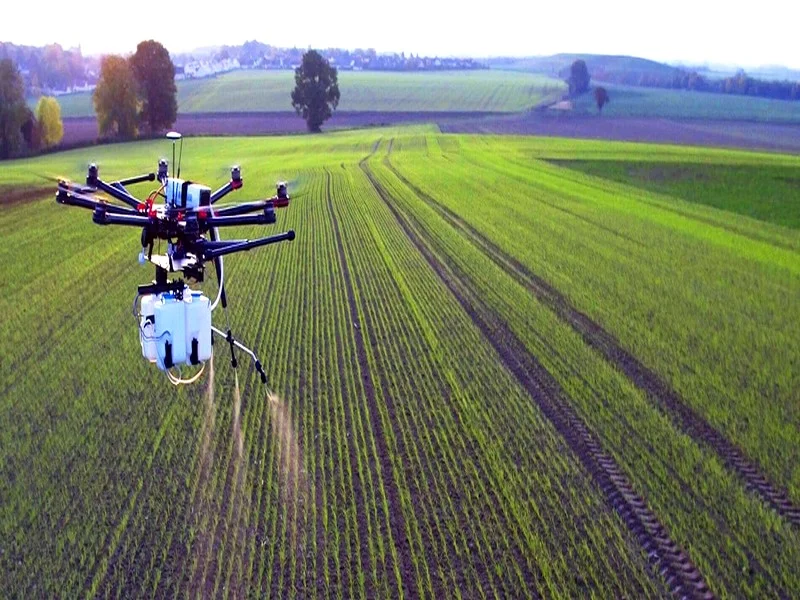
(689, 31)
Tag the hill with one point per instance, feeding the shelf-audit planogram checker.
(260, 91)
(602, 67)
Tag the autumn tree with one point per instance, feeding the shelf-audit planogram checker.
(601, 97)
(578, 80)
(48, 114)
(115, 100)
(316, 90)
(155, 76)
(13, 111)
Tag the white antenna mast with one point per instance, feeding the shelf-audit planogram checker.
(175, 136)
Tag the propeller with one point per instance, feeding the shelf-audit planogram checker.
(64, 182)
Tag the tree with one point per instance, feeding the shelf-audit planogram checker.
(601, 97)
(48, 114)
(30, 131)
(115, 100)
(13, 111)
(155, 76)
(316, 90)
(578, 78)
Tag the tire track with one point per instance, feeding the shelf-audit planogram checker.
(688, 420)
(396, 517)
(664, 555)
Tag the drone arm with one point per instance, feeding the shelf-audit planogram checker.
(241, 209)
(76, 199)
(117, 193)
(233, 184)
(213, 250)
(101, 217)
(266, 218)
(137, 179)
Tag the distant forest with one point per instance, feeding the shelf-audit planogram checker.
(49, 68)
(740, 84)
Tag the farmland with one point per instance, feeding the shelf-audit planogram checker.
(264, 91)
(629, 101)
(500, 370)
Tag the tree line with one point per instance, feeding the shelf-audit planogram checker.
(50, 68)
(21, 129)
(133, 95)
(681, 79)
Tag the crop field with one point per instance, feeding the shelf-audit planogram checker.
(260, 91)
(629, 101)
(496, 370)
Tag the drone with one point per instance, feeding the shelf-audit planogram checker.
(174, 320)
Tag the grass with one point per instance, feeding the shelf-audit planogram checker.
(254, 91)
(762, 192)
(403, 457)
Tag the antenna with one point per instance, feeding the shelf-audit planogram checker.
(175, 136)
(180, 155)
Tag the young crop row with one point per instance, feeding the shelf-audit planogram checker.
(704, 297)
(483, 489)
(259, 91)
(663, 465)
(401, 453)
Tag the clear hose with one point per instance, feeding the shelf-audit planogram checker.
(176, 380)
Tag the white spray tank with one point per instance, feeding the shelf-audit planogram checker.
(147, 325)
(170, 331)
(198, 327)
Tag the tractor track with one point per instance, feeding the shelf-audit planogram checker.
(396, 517)
(668, 401)
(663, 554)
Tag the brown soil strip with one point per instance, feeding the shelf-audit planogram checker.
(686, 418)
(663, 553)
(9, 196)
(783, 137)
(396, 517)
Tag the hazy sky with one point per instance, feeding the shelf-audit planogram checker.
(766, 32)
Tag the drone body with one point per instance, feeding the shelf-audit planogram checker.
(174, 321)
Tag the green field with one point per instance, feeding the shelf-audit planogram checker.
(454, 311)
(764, 192)
(629, 101)
(253, 91)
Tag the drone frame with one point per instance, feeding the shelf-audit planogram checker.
(186, 226)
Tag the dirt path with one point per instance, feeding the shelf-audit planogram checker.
(749, 135)
(697, 132)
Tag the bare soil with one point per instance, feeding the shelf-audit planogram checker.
(10, 196)
(691, 132)
(699, 132)
(83, 130)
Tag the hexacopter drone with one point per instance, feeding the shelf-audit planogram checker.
(174, 321)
